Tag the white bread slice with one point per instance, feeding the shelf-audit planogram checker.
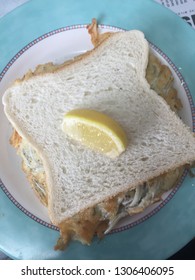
(110, 79)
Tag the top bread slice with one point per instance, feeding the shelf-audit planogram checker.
(110, 79)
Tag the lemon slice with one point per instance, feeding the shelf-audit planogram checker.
(96, 131)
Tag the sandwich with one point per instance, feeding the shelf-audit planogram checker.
(87, 192)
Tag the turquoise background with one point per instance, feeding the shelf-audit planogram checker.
(174, 225)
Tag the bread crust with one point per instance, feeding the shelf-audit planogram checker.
(15, 139)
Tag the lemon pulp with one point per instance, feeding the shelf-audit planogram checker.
(96, 131)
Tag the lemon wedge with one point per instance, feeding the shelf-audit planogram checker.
(96, 131)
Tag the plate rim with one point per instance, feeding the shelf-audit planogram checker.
(33, 4)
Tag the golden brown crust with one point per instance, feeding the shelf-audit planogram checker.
(96, 37)
(15, 139)
(83, 227)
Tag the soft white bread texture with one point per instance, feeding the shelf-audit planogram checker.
(110, 79)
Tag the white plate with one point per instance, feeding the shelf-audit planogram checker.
(57, 46)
